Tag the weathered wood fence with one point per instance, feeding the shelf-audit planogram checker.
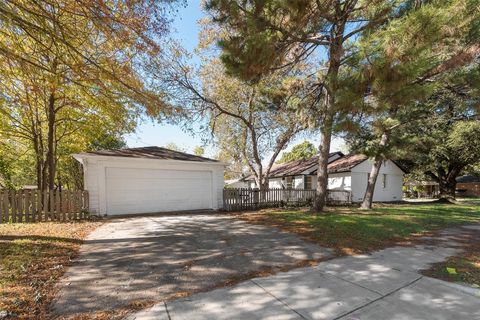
(250, 199)
(36, 206)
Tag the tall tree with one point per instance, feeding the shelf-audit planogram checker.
(175, 147)
(301, 151)
(134, 24)
(276, 35)
(199, 151)
(68, 67)
(400, 75)
(255, 121)
(444, 141)
(6, 167)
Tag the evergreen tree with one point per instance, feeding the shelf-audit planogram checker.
(401, 75)
(266, 35)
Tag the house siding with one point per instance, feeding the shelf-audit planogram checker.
(394, 182)
(469, 189)
(91, 183)
(95, 176)
(298, 182)
(340, 181)
(275, 183)
(355, 180)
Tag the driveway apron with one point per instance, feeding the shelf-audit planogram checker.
(156, 258)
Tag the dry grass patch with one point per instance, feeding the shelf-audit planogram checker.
(117, 313)
(32, 258)
(464, 267)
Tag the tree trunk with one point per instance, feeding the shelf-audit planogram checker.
(38, 161)
(322, 172)
(263, 189)
(447, 180)
(372, 179)
(51, 143)
(447, 187)
(39, 151)
(331, 87)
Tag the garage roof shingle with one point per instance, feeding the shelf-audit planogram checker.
(152, 152)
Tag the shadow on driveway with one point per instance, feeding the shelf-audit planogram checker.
(157, 258)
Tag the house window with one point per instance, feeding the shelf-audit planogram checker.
(289, 182)
(308, 183)
(384, 181)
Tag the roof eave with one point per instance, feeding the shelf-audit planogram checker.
(80, 156)
(405, 171)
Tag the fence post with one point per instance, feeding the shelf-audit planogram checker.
(2, 206)
(33, 204)
(14, 206)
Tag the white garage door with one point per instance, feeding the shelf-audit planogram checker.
(149, 190)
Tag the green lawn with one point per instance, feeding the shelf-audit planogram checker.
(350, 230)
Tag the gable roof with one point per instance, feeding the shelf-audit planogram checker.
(152, 152)
(296, 167)
(346, 163)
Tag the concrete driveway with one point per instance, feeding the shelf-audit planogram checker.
(156, 258)
(384, 285)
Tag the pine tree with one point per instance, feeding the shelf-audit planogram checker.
(266, 35)
(402, 75)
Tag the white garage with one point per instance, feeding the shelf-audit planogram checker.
(149, 180)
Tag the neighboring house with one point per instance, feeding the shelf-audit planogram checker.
(421, 189)
(150, 179)
(294, 174)
(345, 173)
(468, 185)
(236, 183)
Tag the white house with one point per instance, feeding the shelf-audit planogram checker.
(345, 173)
(150, 179)
(294, 174)
(351, 173)
(236, 183)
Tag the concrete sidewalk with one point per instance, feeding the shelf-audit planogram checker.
(384, 285)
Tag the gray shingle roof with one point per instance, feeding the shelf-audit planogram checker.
(152, 152)
(346, 163)
(293, 168)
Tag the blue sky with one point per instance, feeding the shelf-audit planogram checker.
(150, 133)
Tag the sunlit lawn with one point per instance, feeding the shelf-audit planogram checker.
(350, 230)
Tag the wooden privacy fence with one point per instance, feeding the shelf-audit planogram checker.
(249, 199)
(36, 206)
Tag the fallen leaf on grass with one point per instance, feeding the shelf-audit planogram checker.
(451, 270)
